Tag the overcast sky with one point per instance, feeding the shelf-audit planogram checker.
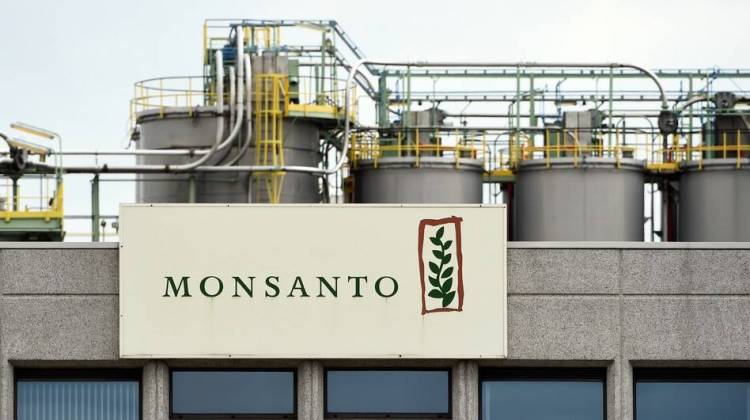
(70, 65)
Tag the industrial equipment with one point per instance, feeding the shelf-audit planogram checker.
(291, 111)
(715, 177)
(29, 217)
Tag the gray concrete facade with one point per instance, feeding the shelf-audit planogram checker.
(610, 305)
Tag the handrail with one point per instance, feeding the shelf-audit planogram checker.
(355, 70)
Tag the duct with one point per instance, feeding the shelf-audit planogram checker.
(248, 113)
(219, 145)
(355, 70)
(691, 101)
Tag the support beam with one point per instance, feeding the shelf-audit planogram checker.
(95, 209)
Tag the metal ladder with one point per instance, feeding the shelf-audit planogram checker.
(271, 101)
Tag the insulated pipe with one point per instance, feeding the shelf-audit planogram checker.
(219, 145)
(248, 113)
(219, 96)
(231, 95)
(691, 101)
(220, 120)
(355, 70)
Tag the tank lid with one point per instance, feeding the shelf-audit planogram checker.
(715, 164)
(583, 162)
(462, 164)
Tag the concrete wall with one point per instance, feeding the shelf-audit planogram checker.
(570, 304)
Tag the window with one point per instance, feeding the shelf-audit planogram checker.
(387, 393)
(542, 394)
(692, 394)
(233, 393)
(77, 394)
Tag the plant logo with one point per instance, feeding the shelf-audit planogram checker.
(440, 265)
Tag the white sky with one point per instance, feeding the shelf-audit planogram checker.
(70, 65)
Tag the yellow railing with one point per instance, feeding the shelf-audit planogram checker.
(322, 97)
(451, 147)
(45, 206)
(165, 92)
(691, 148)
(503, 156)
(307, 99)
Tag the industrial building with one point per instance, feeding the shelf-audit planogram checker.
(623, 194)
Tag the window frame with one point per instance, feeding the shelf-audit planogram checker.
(531, 374)
(77, 375)
(331, 415)
(686, 375)
(173, 415)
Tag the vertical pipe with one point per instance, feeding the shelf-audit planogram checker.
(318, 88)
(611, 89)
(383, 100)
(405, 119)
(322, 65)
(532, 102)
(191, 189)
(515, 138)
(15, 194)
(95, 208)
(690, 119)
(653, 213)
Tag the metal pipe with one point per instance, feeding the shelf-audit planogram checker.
(95, 216)
(248, 113)
(239, 64)
(218, 145)
(220, 119)
(691, 101)
(232, 97)
(355, 70)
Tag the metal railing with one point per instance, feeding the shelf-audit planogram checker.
(47, 205)
(307, 95)
(452, 146)
(165, 92)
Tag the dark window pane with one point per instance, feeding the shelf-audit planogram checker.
(540, 398)
(388, 392)
(232, 392)
(77, 399)
(700, 397)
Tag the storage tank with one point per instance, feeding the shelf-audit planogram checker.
(579, 199)
(714, 201)
(411, 164)
(436, 180)
(179, 128)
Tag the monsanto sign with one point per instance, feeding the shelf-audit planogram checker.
(312, 281)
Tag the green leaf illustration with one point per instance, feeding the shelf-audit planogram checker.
(442, 289)
(448, 298)
(446, 287)
(435, 269)
(435, 293)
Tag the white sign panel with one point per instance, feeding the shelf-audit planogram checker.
(312, 281)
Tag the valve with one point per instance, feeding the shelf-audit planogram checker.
(20, 157)
(668, 122)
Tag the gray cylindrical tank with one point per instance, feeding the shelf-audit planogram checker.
(714, 201)
(435, 180)
(588, 200)
(176, 128)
